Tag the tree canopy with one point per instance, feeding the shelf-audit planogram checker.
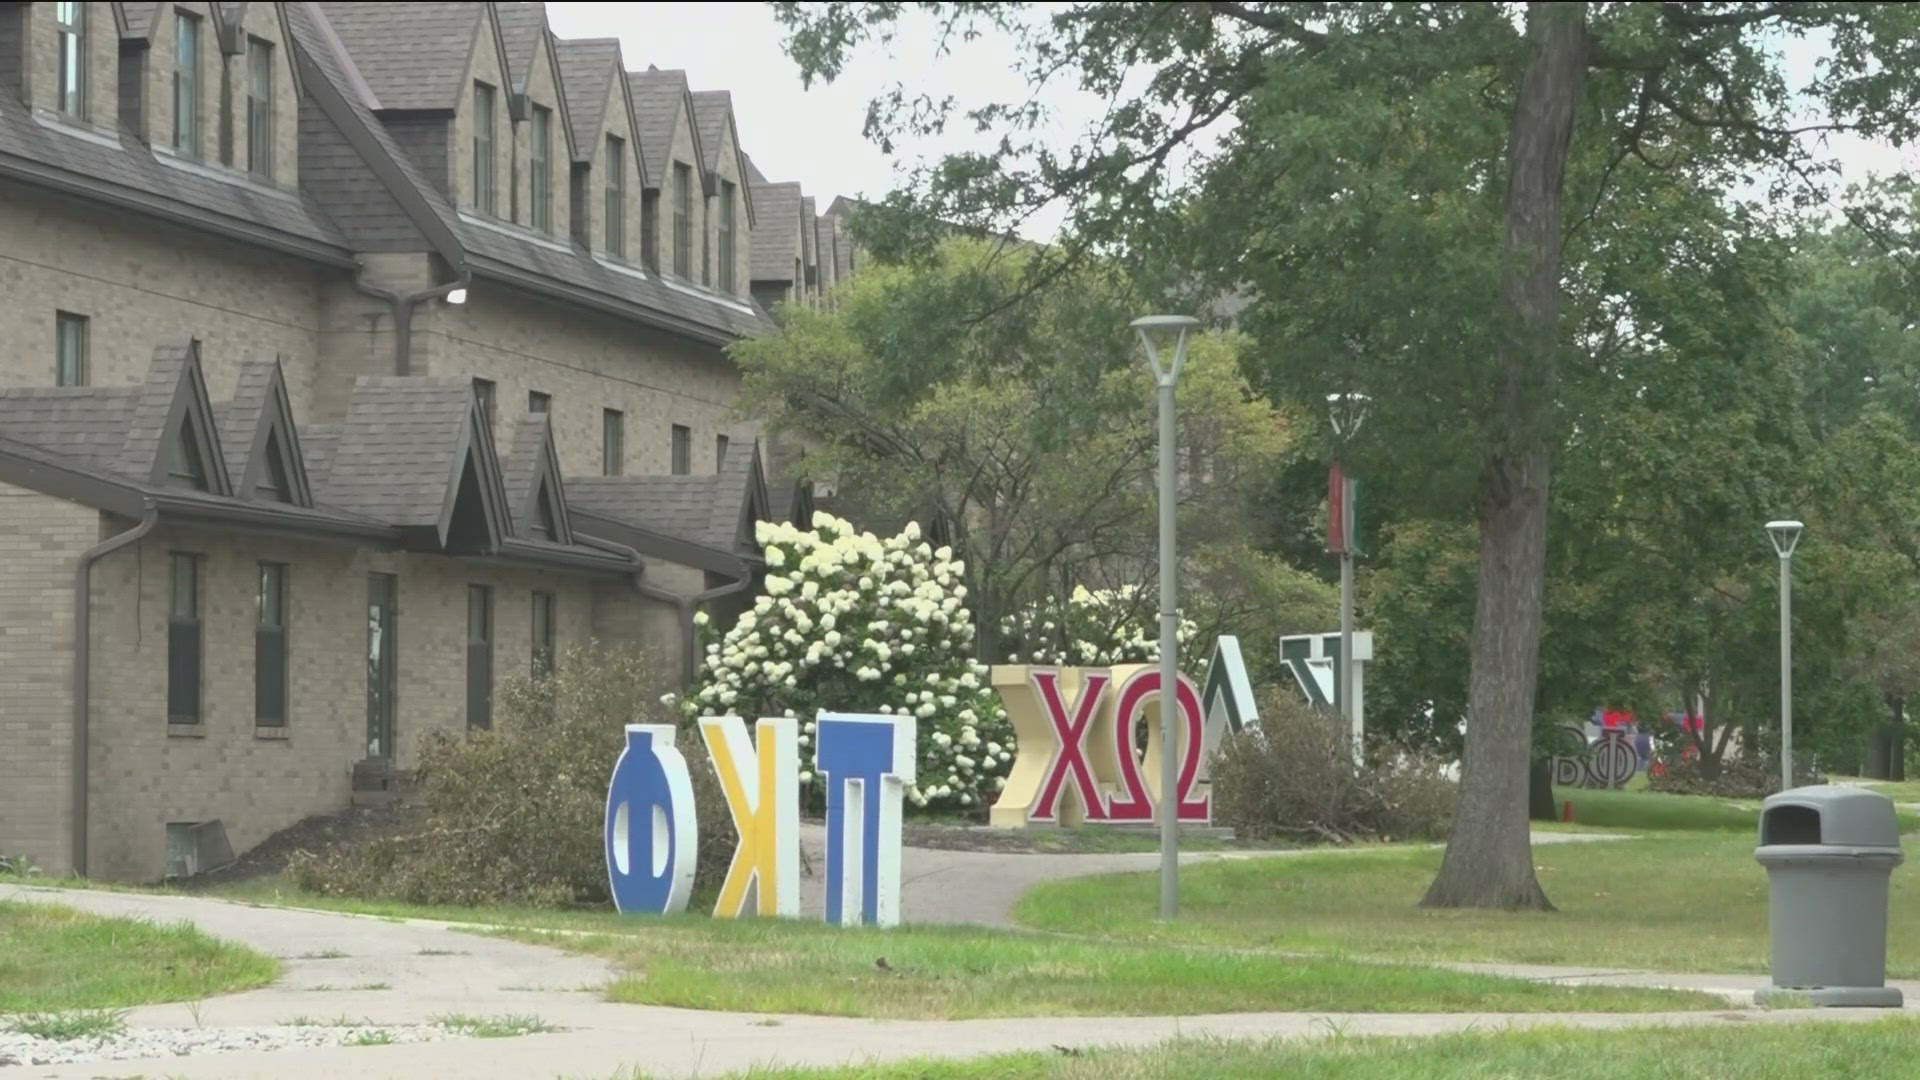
(1507, 223)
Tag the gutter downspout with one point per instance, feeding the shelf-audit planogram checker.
(83, 670)
(685, 606)
(403, 306)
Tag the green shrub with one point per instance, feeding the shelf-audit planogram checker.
(1295, 779)
(1752, 777)
(515, 815)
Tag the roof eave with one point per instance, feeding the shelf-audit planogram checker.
(64, 182)
(518, 277)
(659, 545)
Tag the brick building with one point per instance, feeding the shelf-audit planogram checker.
(353, 356)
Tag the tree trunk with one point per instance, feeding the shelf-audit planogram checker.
(1489, 857)
(1540, 791)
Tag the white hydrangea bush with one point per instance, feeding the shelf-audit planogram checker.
(853, 623)
(1094, 628)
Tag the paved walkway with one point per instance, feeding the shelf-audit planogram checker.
(424, 969)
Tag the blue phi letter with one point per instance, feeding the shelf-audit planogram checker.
(866, 762)
(651, 838)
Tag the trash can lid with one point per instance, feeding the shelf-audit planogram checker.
(1845, 815)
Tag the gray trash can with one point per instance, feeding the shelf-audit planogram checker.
(1829, 852)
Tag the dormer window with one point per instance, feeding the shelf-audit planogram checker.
(187, 470)
(186, 83)
(726, 236)
(484, 198)
(540, 190)
(260, 108)
(616, 197)
(275, 485)
(70, 39)
(683, 219)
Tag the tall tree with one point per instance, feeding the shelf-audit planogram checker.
(1028, 433)
(1429, 110)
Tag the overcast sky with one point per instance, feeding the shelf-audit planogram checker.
(810, 135)
(814, 135)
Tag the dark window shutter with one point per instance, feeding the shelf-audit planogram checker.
(480, 684)
(270, 676)
(183, 671)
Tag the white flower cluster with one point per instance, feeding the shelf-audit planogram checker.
(1094, 628)
(853, 623)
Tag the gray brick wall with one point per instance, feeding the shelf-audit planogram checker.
(39, 545)
(258, 780)
(143, 285)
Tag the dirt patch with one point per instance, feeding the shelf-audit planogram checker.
(312, 834)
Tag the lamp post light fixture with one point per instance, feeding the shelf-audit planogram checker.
(1785, 536)
(1346, 412)
(1158, 332)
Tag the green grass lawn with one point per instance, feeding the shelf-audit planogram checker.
(779, 966)
(1672, 902)
(1882, 1050)
(1905, 791)
(1653, 811)
(54, 959)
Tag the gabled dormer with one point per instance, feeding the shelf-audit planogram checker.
(438, 79)
(543, 139)
(63, 58)
(172, 439)
(727, 251)
(673, 212)
(417, 453)
(257, 436)
(778, 249)
(535, 496)
(605, 189)
(260, 94)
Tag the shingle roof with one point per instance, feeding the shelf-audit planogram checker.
(86, 424)
(412, 54)
(124, 171)
(509, 254)
(660, 99)
(317, 443)
(587, 68)
(146, 420)
(677, 505)
(826, 238)
(776, 233)
(706, 510)
(522, 27)
(398, 451)
(754, 175)
(335, 172)
(239, 418)
(711, 110)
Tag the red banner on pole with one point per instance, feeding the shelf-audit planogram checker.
(1338, 519)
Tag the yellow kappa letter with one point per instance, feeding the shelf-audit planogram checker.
(766, 813)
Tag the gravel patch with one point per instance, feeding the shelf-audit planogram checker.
(136, 1043)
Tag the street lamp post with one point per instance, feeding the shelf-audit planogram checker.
(1785, 536)
(1165, 376)
(1345, 412)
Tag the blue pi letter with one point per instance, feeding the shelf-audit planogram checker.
(651, 837)
(866, 762)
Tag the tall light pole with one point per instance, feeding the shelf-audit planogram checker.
(1785, 536)
(1346, 412)
(1155, 330)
